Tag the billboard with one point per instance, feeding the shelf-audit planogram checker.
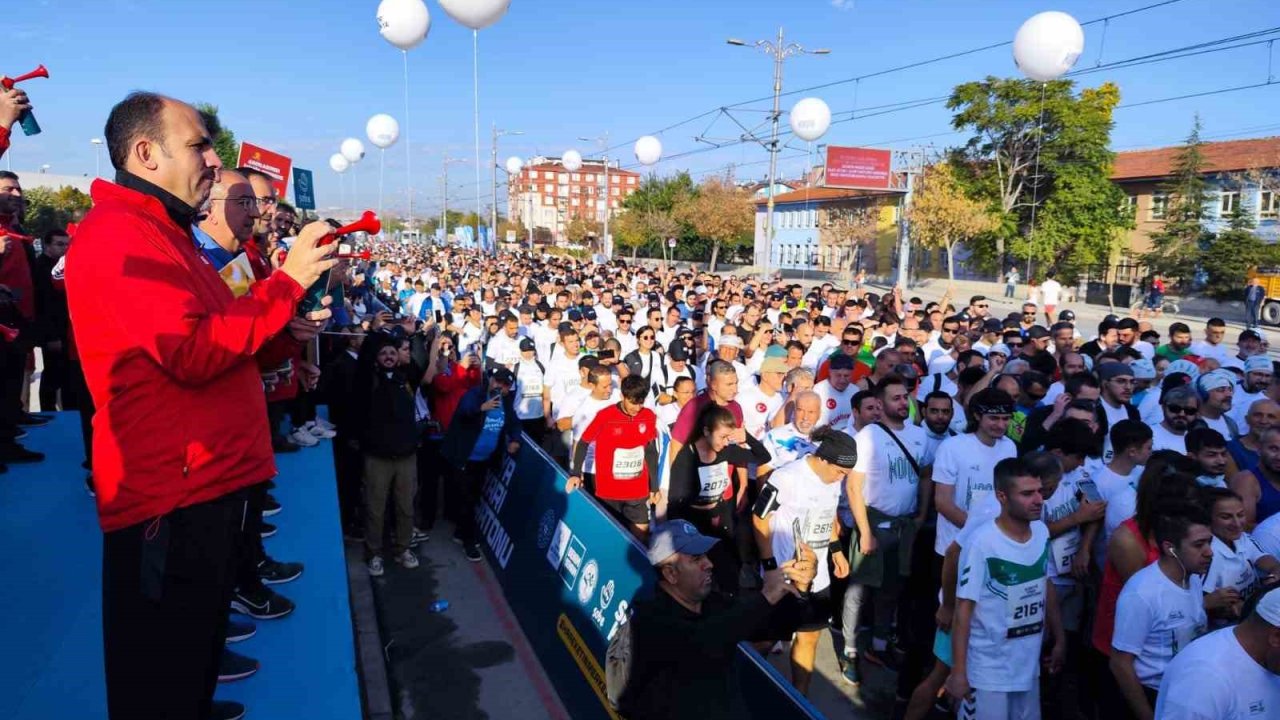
(571, 573)
(276, 166)
(859, 168)
(304, 192)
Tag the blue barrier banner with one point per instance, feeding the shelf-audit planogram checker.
(570, 573)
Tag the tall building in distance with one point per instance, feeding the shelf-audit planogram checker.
(546, 196)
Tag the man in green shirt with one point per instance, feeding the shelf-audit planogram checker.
(1179, 344)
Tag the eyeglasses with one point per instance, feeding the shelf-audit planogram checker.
(646, 337)
(267, 200)
(950, 331)
(245, 203)
(1182, 409)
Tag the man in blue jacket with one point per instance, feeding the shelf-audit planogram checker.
(485, 422)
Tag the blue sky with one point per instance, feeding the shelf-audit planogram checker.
(299, 76)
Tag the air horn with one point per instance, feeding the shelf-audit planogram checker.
(26, 119)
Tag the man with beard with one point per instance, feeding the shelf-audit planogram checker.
(1108, 335)
(1263, 415)
(1217, 392)
(1179, 344)
(17, 310)
(788, 442)
(1257, 380)
(1064, 338)
(1180, 406)
(945, 342)
(1070, 363)
(165, 607)
(53, 324)
(1117, 389)
(1209, 451)
(837, 392)
(888, 493)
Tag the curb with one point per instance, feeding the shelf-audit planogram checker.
(371, 662)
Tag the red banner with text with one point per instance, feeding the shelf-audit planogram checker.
(864, 168)
(275, 165)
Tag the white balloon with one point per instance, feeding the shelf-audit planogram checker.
(572, 160)
(1048, 45)
(514, 165)
(353, 150)
(338, 163)
(648, 150)
(476, 14)
(810, 119)
(383, 130)
(403, 23)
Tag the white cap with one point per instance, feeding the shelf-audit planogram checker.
(1000, 348)
(729, 341)
(1269, 607)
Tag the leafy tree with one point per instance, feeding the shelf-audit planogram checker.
(649, 216)
(224, 141)
(849, 226)
(943, 216)
(53, 209)
(1042, 148)
(1227, 256)
(581, 228)
(1174, 248)
(720, 213)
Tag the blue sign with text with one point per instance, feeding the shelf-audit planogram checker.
(304, 190)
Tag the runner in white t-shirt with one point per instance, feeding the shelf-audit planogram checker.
(1238, 563)
(1004, 604)
(962, 466)
(837, 392)
(1117, 481)
(761, 401)
(1161, 609)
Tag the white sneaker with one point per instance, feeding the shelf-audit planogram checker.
(325, 424)
(304, 438)
(375, 566)
(407, 559)
(318, 432)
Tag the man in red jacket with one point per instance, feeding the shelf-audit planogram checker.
(177, 434)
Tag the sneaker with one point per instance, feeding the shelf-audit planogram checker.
(15, 453)
(264, 604)
(268, 530)
(325, 425)
(458, 539)
(418, 538)
(303, 438)
(375, 566)
(318, 432)
(353, 536)
(234, 666)
(273, 572)
(472, 551)
(240, 630)
(271, 507)
(849, 669)
(407, 560)
(20, 434)
(29, 420)
(226, 710)
(282, 444)
(271, 485)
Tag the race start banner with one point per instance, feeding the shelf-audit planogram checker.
(304, 192)
(571, 572)
(275, 165)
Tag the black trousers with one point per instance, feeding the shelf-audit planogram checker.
(84, 404)
(430, 467)
(53, 378)
(252, 552)
(166, 588)
(13, 367)
(468, 485)
(348, 466)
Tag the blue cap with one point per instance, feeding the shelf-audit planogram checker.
(677, 536)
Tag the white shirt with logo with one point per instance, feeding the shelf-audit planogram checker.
(890, 484)
(804, 500)
(966, 463)
(1156, 619)
(1215, 679)
(758, 409)
(837, 405)
(1234, 567)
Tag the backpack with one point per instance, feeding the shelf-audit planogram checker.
(617, 663)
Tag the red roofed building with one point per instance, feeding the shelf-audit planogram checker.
(544, 195)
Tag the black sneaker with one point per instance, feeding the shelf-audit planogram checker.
(272, 572)
(15, 453)
(849, 670)
(284, 445)
(271, 484)
(472, 551)
(418, 538)
(29, 420)
(240, 630)
(234, 666)
(271, 507)
(265, 604)
(353, 536)
(268, 530)
(226, 710)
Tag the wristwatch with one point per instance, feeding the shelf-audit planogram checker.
(767, 564)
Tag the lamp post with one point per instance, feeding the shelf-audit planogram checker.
(779, 51)
(97, 157)
(444, 207)
(493, 217)
(606, 244)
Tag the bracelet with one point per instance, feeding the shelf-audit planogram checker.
(768, 564)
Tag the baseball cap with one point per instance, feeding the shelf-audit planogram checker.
(1067, 316)
(1000, 348)
(729, 341)
(1036, 332)
(992, 325)
(589, 313)
(775, 360)
(677, 536)
(1250, 335)
(1143, 369)
(677, 351)
(1113, 370)
(575, 314)
(503, 376)
(527, 344)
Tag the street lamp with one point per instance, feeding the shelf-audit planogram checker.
(779, 51)
(44, 168)
(97, 157)
(493, 217)
(606, 245)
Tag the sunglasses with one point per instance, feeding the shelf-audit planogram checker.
(1182, 409)
(851, 343)
(981, 306)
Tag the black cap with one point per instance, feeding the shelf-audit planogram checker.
(503, 376)
(527, 344)
(589, 313)
(992, 325)
(840, 361)
(617, 300)
(1036, 332)
(1067, 316)
(574, 314)
(678, 350)
(1250, 335)
(505, 317)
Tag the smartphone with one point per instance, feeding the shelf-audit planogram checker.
(1089, 491)
(796, 536)
(494, 394)
(766, 501)
(605, 354)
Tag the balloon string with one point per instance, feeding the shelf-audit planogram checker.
(1102, 45)
(382, 163)
(475, 84)
(408, 155)
(1035, 185)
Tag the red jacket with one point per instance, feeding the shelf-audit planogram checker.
(446, 391)
(168, 358)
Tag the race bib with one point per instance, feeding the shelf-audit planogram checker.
(1024, 608)
(817, 527)
(712, 481)
(1182, 636)
(532, 390)
(628, 463)
(1063, 550)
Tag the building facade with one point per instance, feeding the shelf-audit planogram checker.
(831, 230)
(546, 196)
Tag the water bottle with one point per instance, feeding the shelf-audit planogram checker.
(438, 606)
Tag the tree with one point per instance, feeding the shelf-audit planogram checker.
(580, 229)
(1038, 149)
(649, 217)
(850, 226)
(224, 141)
(720, 213)
(53, 209)
(942, 215)
(1227, 256)
(1174, 248)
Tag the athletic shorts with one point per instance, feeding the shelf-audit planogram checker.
(794, 615)
(635, 512)
(942, 646)
(998, 705)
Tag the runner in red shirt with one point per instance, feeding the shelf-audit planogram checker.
(626, 477)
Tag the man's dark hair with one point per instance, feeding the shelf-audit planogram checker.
(937, 395)
(9, 175)
(635, 388)
(139, 115)
(1128, 433)
(249, 173)
(1073, 384)
(883, 386)
(1179, 327)
(48, 235)
(859, 398)
(1173, 527)
(1071, 437)
(1007, 470)
(285, 207)
(1204, 437)
(1031, 377)
(1216, 322)
(1127, 324)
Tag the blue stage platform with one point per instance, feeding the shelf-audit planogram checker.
(50, 591)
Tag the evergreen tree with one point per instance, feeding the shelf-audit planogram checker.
(1175, 247)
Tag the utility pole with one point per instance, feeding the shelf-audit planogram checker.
(913, 162)
(780, 51)
(493, 216)
(444, 211)
(606, 245)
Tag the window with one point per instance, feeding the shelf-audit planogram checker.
(1130, 204)
(1229, 202)
(575, 201)
(1159, 203)
(631, 180)
(613, 191)
(1269, 204)
(564, 177)
(575, 177)
(549, 188)
(813, 217)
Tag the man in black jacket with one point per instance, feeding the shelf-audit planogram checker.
(484, 423)
(52, 323)
(339, 380)
(389, 441)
